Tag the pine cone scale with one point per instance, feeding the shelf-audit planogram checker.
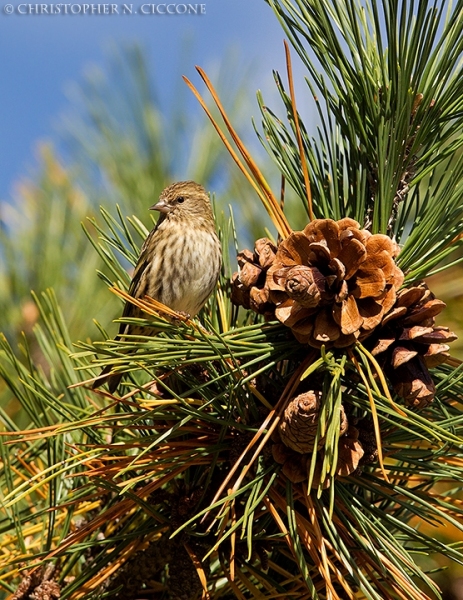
(352, 255)
(347, 316)
(407, 344)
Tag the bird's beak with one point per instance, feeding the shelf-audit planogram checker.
(161, 206)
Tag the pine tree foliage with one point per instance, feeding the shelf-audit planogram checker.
(386, 79)
(180, 486)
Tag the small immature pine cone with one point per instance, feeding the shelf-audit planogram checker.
(249, 287)
(295, 440)
(332, 283)
(299, 423)
(296, 466)
(408, 343)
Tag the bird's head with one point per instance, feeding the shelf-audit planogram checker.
(184, 200)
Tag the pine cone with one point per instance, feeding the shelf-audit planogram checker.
(249, 287)
(350, 452)
(47, 590)
(39, 584)
(294, 464)
(299, 424)
(295, 440)
(350, 455)
(408, 343)
(333, 282)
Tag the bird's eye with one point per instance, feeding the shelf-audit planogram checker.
(180, 199)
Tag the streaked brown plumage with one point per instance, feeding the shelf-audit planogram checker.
(179, 262)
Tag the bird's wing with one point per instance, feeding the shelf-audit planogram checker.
(137, 287)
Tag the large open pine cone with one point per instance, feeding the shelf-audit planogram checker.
(408, 343)
(333, 282)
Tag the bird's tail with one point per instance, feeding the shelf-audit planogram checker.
(106, 376)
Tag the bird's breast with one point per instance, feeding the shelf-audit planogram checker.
(184, 269)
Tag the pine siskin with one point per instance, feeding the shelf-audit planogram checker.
(179, 262)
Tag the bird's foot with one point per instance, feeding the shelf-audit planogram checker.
(180, 317)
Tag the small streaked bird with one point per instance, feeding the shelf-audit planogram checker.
(179, 262)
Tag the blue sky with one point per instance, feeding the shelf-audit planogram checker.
(42, 54)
